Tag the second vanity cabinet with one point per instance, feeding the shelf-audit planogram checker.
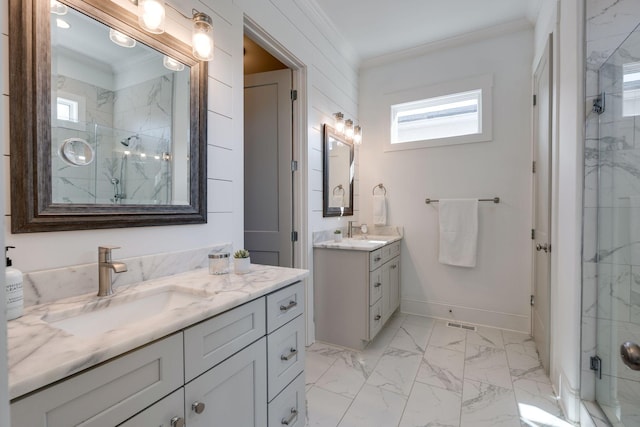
(355, 293)
(243, 367)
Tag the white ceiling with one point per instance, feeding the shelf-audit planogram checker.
(379, 27)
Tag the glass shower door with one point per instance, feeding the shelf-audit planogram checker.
(618, 306)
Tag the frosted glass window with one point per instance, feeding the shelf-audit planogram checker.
(67, 110)
(435, 118)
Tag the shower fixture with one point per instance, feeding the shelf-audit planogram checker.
(127, 141)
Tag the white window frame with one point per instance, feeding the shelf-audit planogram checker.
(483, 83)
(81, 105)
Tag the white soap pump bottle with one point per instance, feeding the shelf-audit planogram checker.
(13, 289)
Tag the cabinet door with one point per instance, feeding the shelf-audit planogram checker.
(234, 393)
(109, 394)
(166, 413)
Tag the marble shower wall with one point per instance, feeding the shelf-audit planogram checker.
(611, 289)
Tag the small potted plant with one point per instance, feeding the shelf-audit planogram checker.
(241, 261)
(337, 236)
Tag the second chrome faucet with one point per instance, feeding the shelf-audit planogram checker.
(105, 267)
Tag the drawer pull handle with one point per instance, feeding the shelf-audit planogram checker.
(292, 352)
(376, 259)
(378, 317)
(394, 266)
(293, 416)
(377, 285)
(289, 306)
(197, 407)
(177, 422)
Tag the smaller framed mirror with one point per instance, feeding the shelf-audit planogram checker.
(338, 174)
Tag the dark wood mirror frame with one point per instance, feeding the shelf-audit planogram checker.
(327, 191)
(32, 209)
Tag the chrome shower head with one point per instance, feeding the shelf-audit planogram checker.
(127, 141)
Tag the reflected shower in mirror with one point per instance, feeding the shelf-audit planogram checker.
(130, 107)
(338, 174)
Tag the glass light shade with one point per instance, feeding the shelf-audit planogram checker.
(151, 14)
(357, 135)
(121, 39)
(339, 123)
(202, 36)
(348, 128)
(58, 8)
(171, 64)
(61, 23)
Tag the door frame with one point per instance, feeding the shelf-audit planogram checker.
(300, 154)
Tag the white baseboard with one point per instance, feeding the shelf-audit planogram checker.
(475, 316)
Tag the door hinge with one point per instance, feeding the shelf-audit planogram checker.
(533, 234)
(595, 364)
(294, 95)
(532, 300)
(294, 165)
(533, 166)
(294, 236)
(599, 104)
(535, 100)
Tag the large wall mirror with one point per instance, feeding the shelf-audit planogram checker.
(108, 123)
(338, 174)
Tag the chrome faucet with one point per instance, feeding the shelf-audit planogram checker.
(350, 229)
(105, 267)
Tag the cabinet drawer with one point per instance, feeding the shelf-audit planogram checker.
(108, 394)
(393, 250)
(285, 355)
(209, 343)
(375, 319)
(375, 259)
(284, 305)
(161, 413)
(289, 407)
(375, 286)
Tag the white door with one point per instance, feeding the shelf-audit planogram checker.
(268, 183)
(542, 205)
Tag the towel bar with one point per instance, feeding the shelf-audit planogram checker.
(380, 186)
(494, 200)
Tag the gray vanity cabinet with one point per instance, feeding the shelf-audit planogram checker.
(166, 413)
(355, 293)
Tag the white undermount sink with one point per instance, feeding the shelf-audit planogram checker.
(107, 314)
(359, 243)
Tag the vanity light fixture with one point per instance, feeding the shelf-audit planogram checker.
(58, 8)
(151, 14)
(339, 122)
(171, 64)
(348, 129)
(121, 39)
(61, 23)
(202, 36)
(151, 17)
(357, 135)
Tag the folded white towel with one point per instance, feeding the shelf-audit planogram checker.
(458, 232)
(379, 209)
(337, 201)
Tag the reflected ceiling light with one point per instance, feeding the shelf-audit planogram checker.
(121, 39)
(151, 14)
(58, 8)
(202, 36)
(61, 23)
(339, 122)
(348, 128)
(357, 135)
(171, 64)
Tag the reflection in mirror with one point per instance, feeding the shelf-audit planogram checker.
(338, 174)
(130, 103)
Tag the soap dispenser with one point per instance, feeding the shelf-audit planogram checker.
(13, 289)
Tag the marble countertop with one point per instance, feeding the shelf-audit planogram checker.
(359, 243)
(40, 354)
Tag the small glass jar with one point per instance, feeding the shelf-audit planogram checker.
(219, 263)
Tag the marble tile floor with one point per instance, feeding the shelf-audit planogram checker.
(420, 372)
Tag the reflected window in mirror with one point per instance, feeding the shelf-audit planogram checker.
(338, 174)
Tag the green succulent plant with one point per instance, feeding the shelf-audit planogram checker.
(241, 253)
(337, 232)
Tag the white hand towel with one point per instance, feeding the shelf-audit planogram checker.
(337, 201)
(379, 209)
(458, 232)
